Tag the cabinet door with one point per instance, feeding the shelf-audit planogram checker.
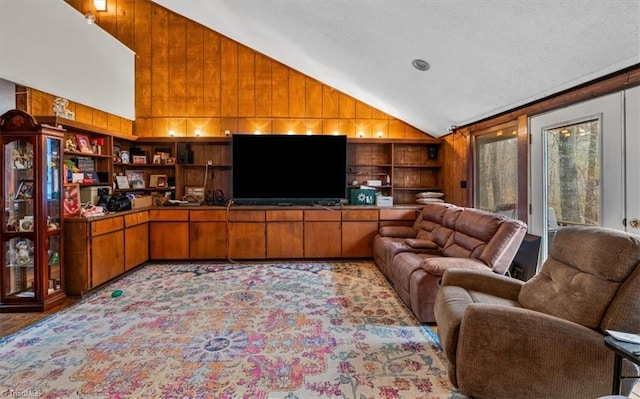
(322, 240)
(357, 239)
(284, 240)
(169, 240)
(207, 240)
(136, 242)
(247, 240)
(107, 257)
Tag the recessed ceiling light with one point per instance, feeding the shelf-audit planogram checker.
(420, 65)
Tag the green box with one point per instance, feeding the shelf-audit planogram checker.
(360, 196)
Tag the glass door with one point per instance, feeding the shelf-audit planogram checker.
(577, 173)
(53, 151)
(19, 277)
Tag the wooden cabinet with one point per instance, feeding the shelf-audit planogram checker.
(322, 234)
(101, 249)
(106, 250)
(207, 234)
(136, 239)
(169, 234)
(32, 255)
(359, 227)
(405, 216)
(247, 237)
(285, 232)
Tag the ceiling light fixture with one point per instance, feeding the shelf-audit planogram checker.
(100, 5)
(91, 19)
(420, 65)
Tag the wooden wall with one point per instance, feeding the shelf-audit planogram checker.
(37, 102)
(189, 77)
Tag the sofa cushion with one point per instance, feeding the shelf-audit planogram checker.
(576, 282)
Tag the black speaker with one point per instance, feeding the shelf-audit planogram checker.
(185, 155)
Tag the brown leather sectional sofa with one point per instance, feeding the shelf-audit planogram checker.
(444, 236)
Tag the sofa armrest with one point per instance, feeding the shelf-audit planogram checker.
(438, 265)
(418, 243)
(481, 281)
(397, 231)
(514, 340)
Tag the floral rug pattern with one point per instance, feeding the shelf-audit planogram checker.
(288, 330)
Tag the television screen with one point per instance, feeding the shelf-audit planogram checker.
(284, 169)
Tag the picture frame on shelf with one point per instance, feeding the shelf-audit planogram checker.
(71, 200)
(157, 181)
(124, 156)
(70, 143)
(136, 178)
(171, 160)
(24, 191)
(84, 145)
(139, 159)
(122, 182)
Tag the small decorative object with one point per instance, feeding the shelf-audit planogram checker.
(157, 159)
(71, 201)
(25, 190)
(124, 156)
(23, 253)
(70, 144)
(22, 158)
(171, 160)
(194, 194)
(60, 109)
(157, 181)
(84, 145)
(26, 224)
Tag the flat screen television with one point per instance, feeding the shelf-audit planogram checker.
(284, 169)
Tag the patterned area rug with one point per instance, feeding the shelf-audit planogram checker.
(288, 330)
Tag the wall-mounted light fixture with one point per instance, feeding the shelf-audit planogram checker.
(290, 133)
(227, 133)
(379, 133)
(172, 133)
(309, 132)
(198, 132)
(257, 132)
(100, 5)
(360, 133)
(336, 133)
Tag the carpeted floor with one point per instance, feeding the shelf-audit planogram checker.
(288, 330)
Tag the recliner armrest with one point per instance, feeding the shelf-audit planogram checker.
(397, 231)
(438, 265)
(418, 243)
(481, 281)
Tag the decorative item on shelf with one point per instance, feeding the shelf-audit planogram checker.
(157, 159)
(124, 156)
(136, 178)
(70, 143)
(157, 181)
(60, 109)
(171, 160)
(25, 190)
(122, 182)
(71, 201)
(96, 145)
(194, 194)
(432, 151)
(363, 196)
(429, 196)
(84, 145)
(139, 159)
(22, 158)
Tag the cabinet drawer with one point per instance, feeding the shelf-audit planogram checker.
(208, 216)
(169, 215)
(365, 214)
(246, 216)
(398, 214)
(319, 215)
(284, 215)
(134, 219)
(106, 225)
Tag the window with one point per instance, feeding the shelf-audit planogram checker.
(496, 171)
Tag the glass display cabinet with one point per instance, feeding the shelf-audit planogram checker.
(31, 277)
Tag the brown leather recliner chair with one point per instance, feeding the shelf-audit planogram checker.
(505, 338)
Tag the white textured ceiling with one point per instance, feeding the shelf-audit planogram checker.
(486, 56)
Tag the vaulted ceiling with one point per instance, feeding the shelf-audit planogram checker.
(485, 57)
